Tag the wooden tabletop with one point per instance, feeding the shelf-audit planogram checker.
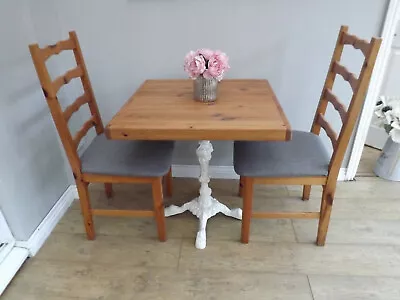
(164, 110)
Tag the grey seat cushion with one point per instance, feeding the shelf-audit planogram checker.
(127, 158)
(304, 155)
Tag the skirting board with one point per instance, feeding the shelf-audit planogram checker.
(220, 172)
(42, 232)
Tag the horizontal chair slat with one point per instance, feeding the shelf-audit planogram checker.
(313, 180)
(122, 213)
(357, 43)
(57, 48)
(286, 215)
(328, 129)
(346, 74)
(84, 130)
(336, 104)
(81, 100)
(92, 178)
(67, 77)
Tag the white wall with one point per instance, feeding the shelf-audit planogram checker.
(32, 167)
(288, 42)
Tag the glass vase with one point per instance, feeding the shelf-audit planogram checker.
(205, 90)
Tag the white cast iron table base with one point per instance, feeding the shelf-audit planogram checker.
(205, 206)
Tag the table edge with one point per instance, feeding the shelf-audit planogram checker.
(282, 113)
(288, 130)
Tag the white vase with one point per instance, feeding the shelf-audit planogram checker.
(388, 163)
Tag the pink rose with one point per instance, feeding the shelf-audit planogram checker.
(217, 65)
(206, 53)
(194, 64)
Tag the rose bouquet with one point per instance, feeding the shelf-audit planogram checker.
(206, 67)
(388, 112)
(206, 63)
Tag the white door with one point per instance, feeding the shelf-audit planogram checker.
(391, 88)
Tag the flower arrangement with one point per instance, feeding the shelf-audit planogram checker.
(388, 112)
(206, 63)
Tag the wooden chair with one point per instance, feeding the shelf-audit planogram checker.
(105, 161)
(304, 160)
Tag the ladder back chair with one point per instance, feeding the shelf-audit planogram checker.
(304, 160)
(104, 161)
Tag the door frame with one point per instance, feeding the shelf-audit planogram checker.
(6, 232)
(11, 256)
(378, 75)
(6, 237)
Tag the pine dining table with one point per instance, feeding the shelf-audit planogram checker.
(246, 110)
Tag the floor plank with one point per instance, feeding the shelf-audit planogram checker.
(293, 258)
(363, 187)
(97, 281)
(111, 250)
(351, 231)
(368, 160)
(354, 288)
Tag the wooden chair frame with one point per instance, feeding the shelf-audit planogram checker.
(349, 117)
(70, 143)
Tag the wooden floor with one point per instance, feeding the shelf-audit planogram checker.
(360, 261)
(367, 163)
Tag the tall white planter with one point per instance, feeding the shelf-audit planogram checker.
(388, 163)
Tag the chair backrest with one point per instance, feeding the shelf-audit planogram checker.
(358, 85)
(51, 87)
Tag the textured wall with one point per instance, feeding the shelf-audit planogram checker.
(32, 167)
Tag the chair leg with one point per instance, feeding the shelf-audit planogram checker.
(241, 187)
(325, 215)
(247, 208)
(168, 182)
(109, 190)
(157, 189)
(306, 192)
(83, 192)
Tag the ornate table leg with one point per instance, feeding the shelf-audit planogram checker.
(205, 206)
